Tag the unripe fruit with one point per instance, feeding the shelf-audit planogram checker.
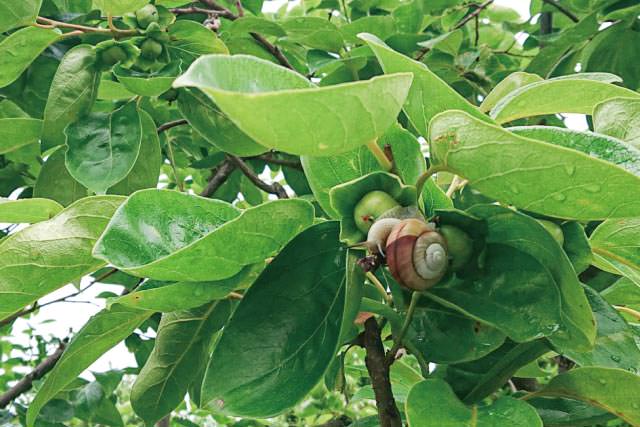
(553, 229)
(150, 49)
(113, 55)
(146, 15)
(370, 207)
(459, 244)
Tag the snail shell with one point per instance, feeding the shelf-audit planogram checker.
(416, 254)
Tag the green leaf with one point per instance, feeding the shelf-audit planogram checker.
(250, 24)
(16, 14)
(103, 147)
(20, 49)
(599, 146)
(214, 126)
(576, 93)
(166, 235)
(623, 292)
(190, 39)
(167, 297)
(615, 345)
(429, 95)
(314, 32)
(259, 97)
(148, 84)
(18, 132)
(381, 26)
(182, 344)
(345, 197)
(521, 232)
(605, 388)
(27, 210)
(559, 412)
(54, 181)
(432, 403)
(616, 247)
(46, 256)
(576, 245)
(73, 91)
(282, 337)
(118, 7)
(324, 173)
(102, 332)
(113, 91)
(569, 184)
(619, 118)
(510, 83)
(91, 404)
(146, 170)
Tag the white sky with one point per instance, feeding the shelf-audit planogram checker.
(71, 316)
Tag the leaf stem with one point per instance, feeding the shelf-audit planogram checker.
(51, 23)
(425, 176)
(397, 341)
(380, 287)
(173, 165)
(378, 153)
(631, 312)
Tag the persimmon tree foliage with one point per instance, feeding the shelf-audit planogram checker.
(339, 213)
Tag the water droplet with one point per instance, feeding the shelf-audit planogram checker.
(616, 358)
(569, 169)
(559, 197)
(592, 188)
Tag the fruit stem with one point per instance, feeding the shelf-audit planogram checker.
(631, 312)
(397, 341)
(378, 153)
(380, 287)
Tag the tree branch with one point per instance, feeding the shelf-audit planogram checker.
(219, 176)
(166, 126)
(473, 14)
(26, 382)
(566, 12)
(273, 188)
(294, 164)
(51, 23)
(379, 373)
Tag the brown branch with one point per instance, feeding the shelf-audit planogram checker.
(473, 14)
(219, 176)
(274, 188)
(51, 23)
(211, 13)
(566, 12)
(294, 164)
(379, 373)
(26, 382)
(166, 126)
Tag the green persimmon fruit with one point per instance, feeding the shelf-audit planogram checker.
(553, 229)
(459, 245)
(150, 49)
(146, 15)
(370, 207)
(113, 55)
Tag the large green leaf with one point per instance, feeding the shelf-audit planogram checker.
(596, 145)
(512, 82)
(576, 331)
(166, 235)
(28, 210)
(16, 14)
(167, 297)
(615, 345)
(146, 170)
(148, 84)
(46, 256)
(432, 403)
(18, 132)
(19, 50)
(607, 388)
(54, 181)
(619, 118)
(616, 246)
(280, 109)
(102, 332)
(314, 32)
(190, 39)
(429, 95)
(577, 93)
(73, 91)
(103, 147)
(118, 7)
(182, 345)
(560, 412)
(215, 127)
(531, 174)
(623, 292)
(285, 331)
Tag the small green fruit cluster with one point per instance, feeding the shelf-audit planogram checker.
(147, 15)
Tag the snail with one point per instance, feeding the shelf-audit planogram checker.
(371, 207)
(416, 254)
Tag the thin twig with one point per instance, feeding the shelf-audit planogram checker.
(380, 287)
(397, 340)
(273, 188)
(473, 14)
(51, 23)
(26, 382)
(294, 164)
(631, 312)
(379, 373)
(219, 176)
(426, 175)
(380, 155)
(166, 126)
(566, 12)
(193, 9)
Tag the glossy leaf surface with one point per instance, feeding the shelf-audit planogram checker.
(19, 50)
(616, 245)
(56, 183)
(148, 84)
(16, 14)
(505, 87)
(28, 210)
(619, 118)
(18, 132)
